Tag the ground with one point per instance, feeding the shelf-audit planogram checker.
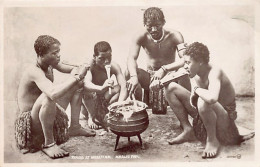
(155, 147)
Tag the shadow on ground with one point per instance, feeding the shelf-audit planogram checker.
(155, 147)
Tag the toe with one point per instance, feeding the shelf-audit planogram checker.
(170, 142)
(55, 156)
(204, 155)
(58, 155)
(213, 154)
(66, 153)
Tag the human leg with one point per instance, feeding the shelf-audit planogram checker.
(185, 82)
(43, 116)
(113, 97)
(88, 102)
(213, 116)
(178, 99)
(75, 127)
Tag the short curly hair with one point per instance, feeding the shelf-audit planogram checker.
(198, 52)
(43, 44)
(101, 46)
(153, 13)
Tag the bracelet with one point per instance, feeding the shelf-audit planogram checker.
(195, 88)
(164, 69)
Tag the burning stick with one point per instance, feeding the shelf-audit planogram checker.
(108, 67)
(69, 64)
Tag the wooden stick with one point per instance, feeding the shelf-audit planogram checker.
(67, 63)
(135, 104)
(108, 67)
(168, 79)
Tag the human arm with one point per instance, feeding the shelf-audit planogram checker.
(90, 86)
(132, 64)
(64, 67)
(46, 86)
(177, 41)
(121, 82)
(211, 94)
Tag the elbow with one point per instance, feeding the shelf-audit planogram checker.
(212, 100)
(54, 97)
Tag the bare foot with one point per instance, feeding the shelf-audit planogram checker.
(92, 125)
(54, 151)
(185, 136)
(211, 149)
(80, 131)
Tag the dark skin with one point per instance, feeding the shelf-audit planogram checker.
(98, 81)
(38, 94)
(215, 91)
(162, 53)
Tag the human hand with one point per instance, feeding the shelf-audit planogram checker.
(158, 75)
(82, 70)
(109, 83)
(155, 85)
(131, 84)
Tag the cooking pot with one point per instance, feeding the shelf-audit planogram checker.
(128, 118)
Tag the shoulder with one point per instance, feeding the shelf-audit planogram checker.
(139, 36)
(115, 66)
(33, 72)
(215, 72)
(174, 35)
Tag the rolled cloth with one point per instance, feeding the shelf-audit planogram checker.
(23, 129)
(228, 136)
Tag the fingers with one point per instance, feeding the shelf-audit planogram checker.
(132, 90)
(155, 85)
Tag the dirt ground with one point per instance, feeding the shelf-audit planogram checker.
(155, 147)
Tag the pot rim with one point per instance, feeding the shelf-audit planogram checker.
(127, 102)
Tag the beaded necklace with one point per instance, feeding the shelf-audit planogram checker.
(159, 40)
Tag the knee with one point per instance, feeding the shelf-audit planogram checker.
(48, 105)
(117, 88)
(169, 89)
(202, 106)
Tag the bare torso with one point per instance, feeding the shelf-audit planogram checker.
(28, 91)
(161, 53)
(99, 75)
(227, 91)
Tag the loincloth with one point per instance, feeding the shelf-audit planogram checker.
(227, 136)
(157, 100)
(100, 105)
(23, 129)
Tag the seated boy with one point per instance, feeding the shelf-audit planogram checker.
(97, 82)
(42, 120)
(211, 103)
